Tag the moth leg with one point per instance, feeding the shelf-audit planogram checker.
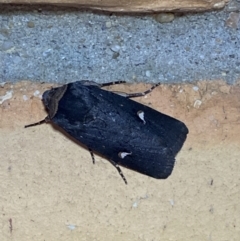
(92, 155)
(112, 83)
(133, 95)
(119, 170)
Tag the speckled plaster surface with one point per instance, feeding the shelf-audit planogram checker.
(50, 190)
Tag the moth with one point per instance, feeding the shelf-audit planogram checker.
(125, 132)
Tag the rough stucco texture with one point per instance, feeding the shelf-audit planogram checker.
(50, 190)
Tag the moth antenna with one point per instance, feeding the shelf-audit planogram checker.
(37, 123)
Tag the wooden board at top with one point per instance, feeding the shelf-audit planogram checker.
(133, 5)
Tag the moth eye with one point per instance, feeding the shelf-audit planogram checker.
(140, 114)
(124, 154)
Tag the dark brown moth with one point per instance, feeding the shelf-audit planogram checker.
(125, 132)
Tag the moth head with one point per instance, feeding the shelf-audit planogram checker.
(51, 99)
(46, 98)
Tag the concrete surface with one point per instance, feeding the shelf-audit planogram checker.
(60, 45)
(50, 190)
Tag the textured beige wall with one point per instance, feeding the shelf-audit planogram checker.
(50, 190)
